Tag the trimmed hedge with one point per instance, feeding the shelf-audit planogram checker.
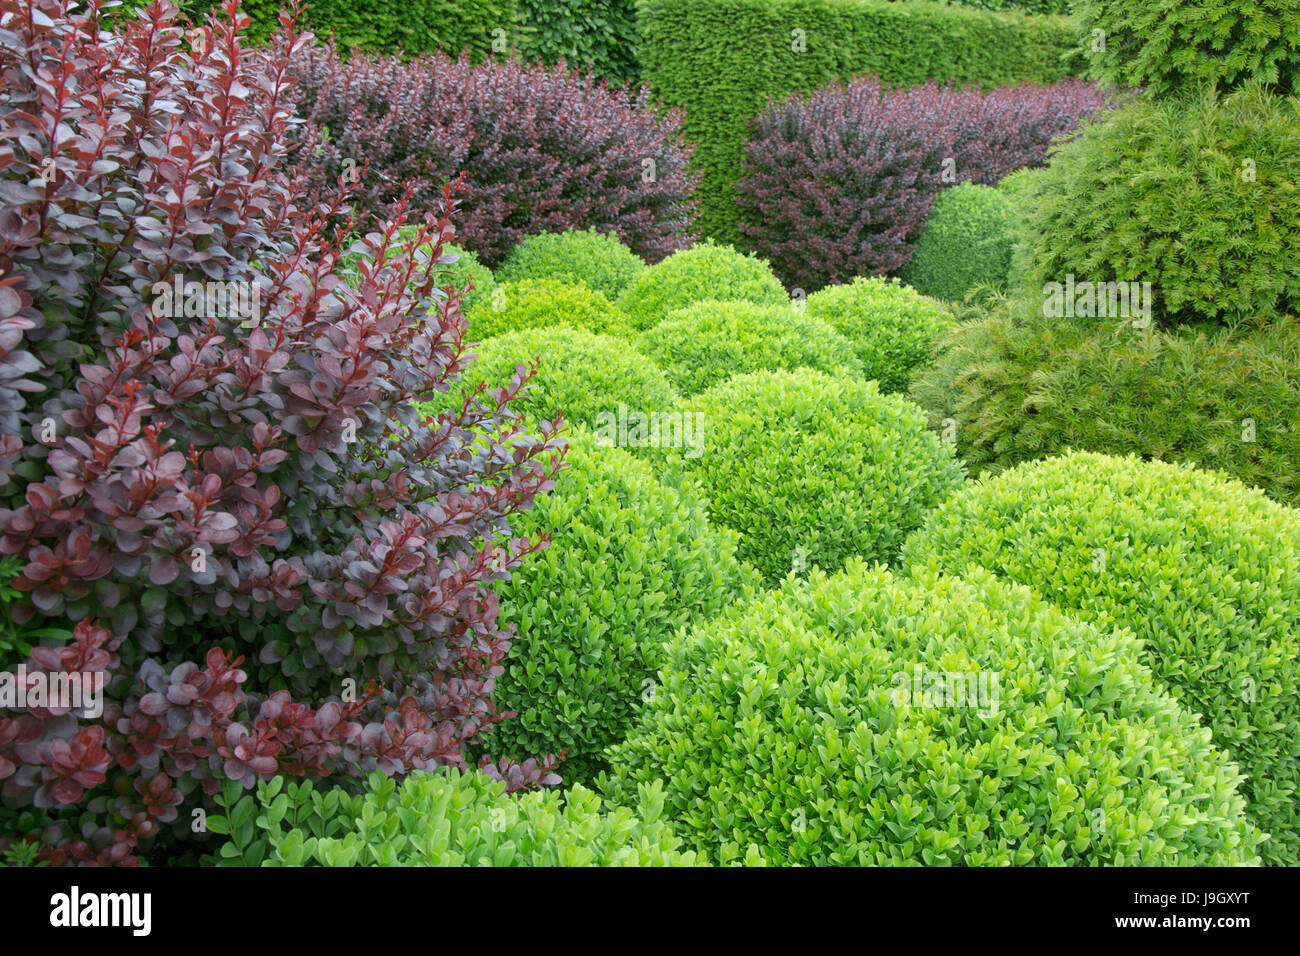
(794, 725)
(890, 326)
(1205, 571)
(1197, 197)
(966, 243)
(1014, 387)
(418, 26)
(812, 469)
(538, 303)
(630, 561)
(443, 818)
(724, 59)
(710, 341)
(596, 260)
(599, 35)
(580, 372)
(704, 271)
(1170, 46)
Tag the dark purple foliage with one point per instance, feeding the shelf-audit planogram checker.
(839, 184)
(542, 150)
(223, 502)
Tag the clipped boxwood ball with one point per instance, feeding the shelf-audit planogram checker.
(447, 817)
(812, 469)
(704, 271)
(598, 261)
(535, 303)
(630, 561)
(966, 243)
(1203, 569)
(587, 375)
(890, 326)
(709, 341)
(863, 719)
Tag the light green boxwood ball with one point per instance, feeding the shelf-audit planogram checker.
(585, 374)
(598, 261)
(792, 724)
(966, 243)
(536, 303)
(814, 468)
(451, 818)
(709, 341)
(1203, 569)
(630, 561)
(704, 271)
(891, 326)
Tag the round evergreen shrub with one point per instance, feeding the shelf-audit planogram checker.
(966, 243)
(538, 303)
(586, 375)
(890, 326)
(1205, 571)
(709, 341)
(1012, 386)
(445, 818)
(1168, 46)
(1196, 197)
(863, 719)
(630, 561)
(704, 271)
(598, 261)
(812, 469)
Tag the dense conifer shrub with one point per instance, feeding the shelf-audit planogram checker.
(966, 243)
(212, 470)
(863, 719)
(1205, 571)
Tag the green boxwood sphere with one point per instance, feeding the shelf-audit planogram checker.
(890, 326)
(709, 341)
(537, 303)
(966, 243)
(630, 561)
(855, 720)
(586, 375)
(598, 261)
(1203, 569)
(812, 469)
(704, 271)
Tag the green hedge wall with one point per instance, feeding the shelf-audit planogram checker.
(723, 59)
(416, 26)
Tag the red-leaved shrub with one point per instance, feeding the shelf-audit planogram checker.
(274, 566)
(542, 149)
(838, 184)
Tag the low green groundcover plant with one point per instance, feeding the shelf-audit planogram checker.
(587, 256)
(812, 469)
(704, 271)
(966, 243)
(890, 326)
(442, 818)
(709, 341)
(533, 303)
(863, 719)
(1202, 569)
(588, 376)
(630, 561)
